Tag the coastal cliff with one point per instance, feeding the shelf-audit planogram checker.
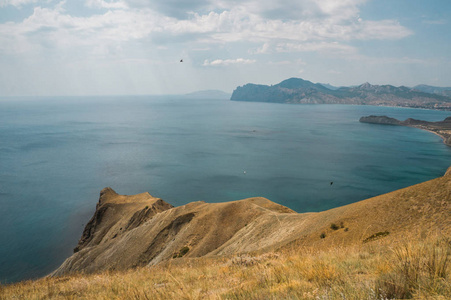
(441, 128)
(140, 230)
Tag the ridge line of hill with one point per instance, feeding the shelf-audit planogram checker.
(299, 91)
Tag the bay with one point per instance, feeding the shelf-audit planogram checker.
(56, 154)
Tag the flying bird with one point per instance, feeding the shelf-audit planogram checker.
(181, 60)
(331, 182)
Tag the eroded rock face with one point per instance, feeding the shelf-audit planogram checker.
(112, 211)
(138, 230)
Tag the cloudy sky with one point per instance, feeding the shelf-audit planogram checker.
(109, 47)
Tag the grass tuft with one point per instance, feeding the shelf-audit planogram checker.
(416, 269)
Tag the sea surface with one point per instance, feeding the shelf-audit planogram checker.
(56, 154)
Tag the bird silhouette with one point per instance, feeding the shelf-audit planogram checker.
(331, 182)
(181, 60)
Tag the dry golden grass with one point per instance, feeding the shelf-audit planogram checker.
(374, 270)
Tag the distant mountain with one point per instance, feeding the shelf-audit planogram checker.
(444, 91)
(297, 90)
(298, 83)
(209, 94)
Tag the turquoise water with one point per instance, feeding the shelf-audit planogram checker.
(57, 154)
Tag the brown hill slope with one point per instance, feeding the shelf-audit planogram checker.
(139, 230)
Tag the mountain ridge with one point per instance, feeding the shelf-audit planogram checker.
(300, 91)
(444, 91)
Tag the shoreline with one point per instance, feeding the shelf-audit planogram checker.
(446, 139)
(440, 128)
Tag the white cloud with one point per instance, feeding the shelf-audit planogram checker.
(382, 30)
(298, 62)
(55, 29)
(326, 25)
(106, 4)
(344, 9)
(16, 3)
(152, 33)
(264, 49)
(227, 62)
(332, 47)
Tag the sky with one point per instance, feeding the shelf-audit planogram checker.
(134, 47)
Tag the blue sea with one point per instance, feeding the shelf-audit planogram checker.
(56, 154)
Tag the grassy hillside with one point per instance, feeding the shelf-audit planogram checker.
(394, 246)
(379, 269)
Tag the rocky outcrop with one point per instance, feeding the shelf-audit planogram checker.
(141, 230)
(117, 214)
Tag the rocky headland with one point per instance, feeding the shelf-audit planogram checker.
(141, 230)
(441, 128)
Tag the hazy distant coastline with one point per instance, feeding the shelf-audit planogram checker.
(441, 128)
(209, 94)
(299, 91)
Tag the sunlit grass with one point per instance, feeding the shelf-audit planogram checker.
(418, 270)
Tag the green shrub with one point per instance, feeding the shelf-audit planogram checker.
(181, 253)
(376, 236)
